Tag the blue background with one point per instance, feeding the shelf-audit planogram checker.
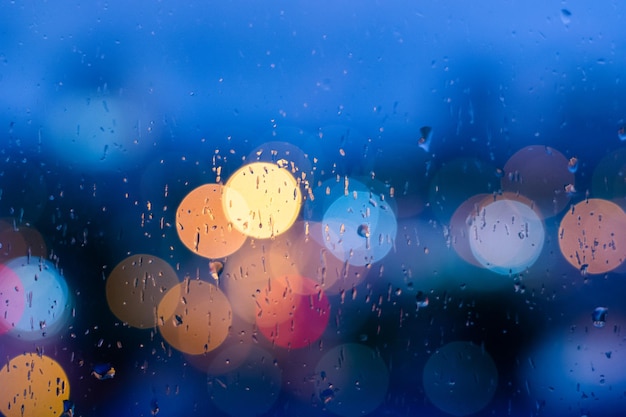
(331, 77)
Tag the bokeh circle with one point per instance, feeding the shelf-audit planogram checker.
(262, 200)
(202, 225)
(460, 378)
(591, 236)
(351, 380)
(506, 234)
(292, 311)
(33, 385)
(135, 288)
(541, 174)
(194, 317)
(47, 299)
(244, 381)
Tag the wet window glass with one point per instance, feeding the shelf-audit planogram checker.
(328, 208)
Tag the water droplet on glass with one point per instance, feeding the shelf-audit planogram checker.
(566, 16)
(599, 316)
(154, 407)
(425, 138)
(327, 395)
(572, 164)
(621, 133)
(102, 371)
(68, 408)
(216, 268)
(363, 230)
(421, 300)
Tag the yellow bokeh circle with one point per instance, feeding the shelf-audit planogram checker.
(262, 200)
(32, 385)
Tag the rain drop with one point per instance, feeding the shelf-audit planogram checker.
(327, 395)
(421, 300)
(363, 230)
(599, 316)
(570, 190)
(566, 16)
(425, 138)
(216, 268)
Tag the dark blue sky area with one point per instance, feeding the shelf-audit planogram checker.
(504, 70)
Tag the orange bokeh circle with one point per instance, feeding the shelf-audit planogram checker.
(202, 225)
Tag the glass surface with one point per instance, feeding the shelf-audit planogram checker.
(312, 208)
